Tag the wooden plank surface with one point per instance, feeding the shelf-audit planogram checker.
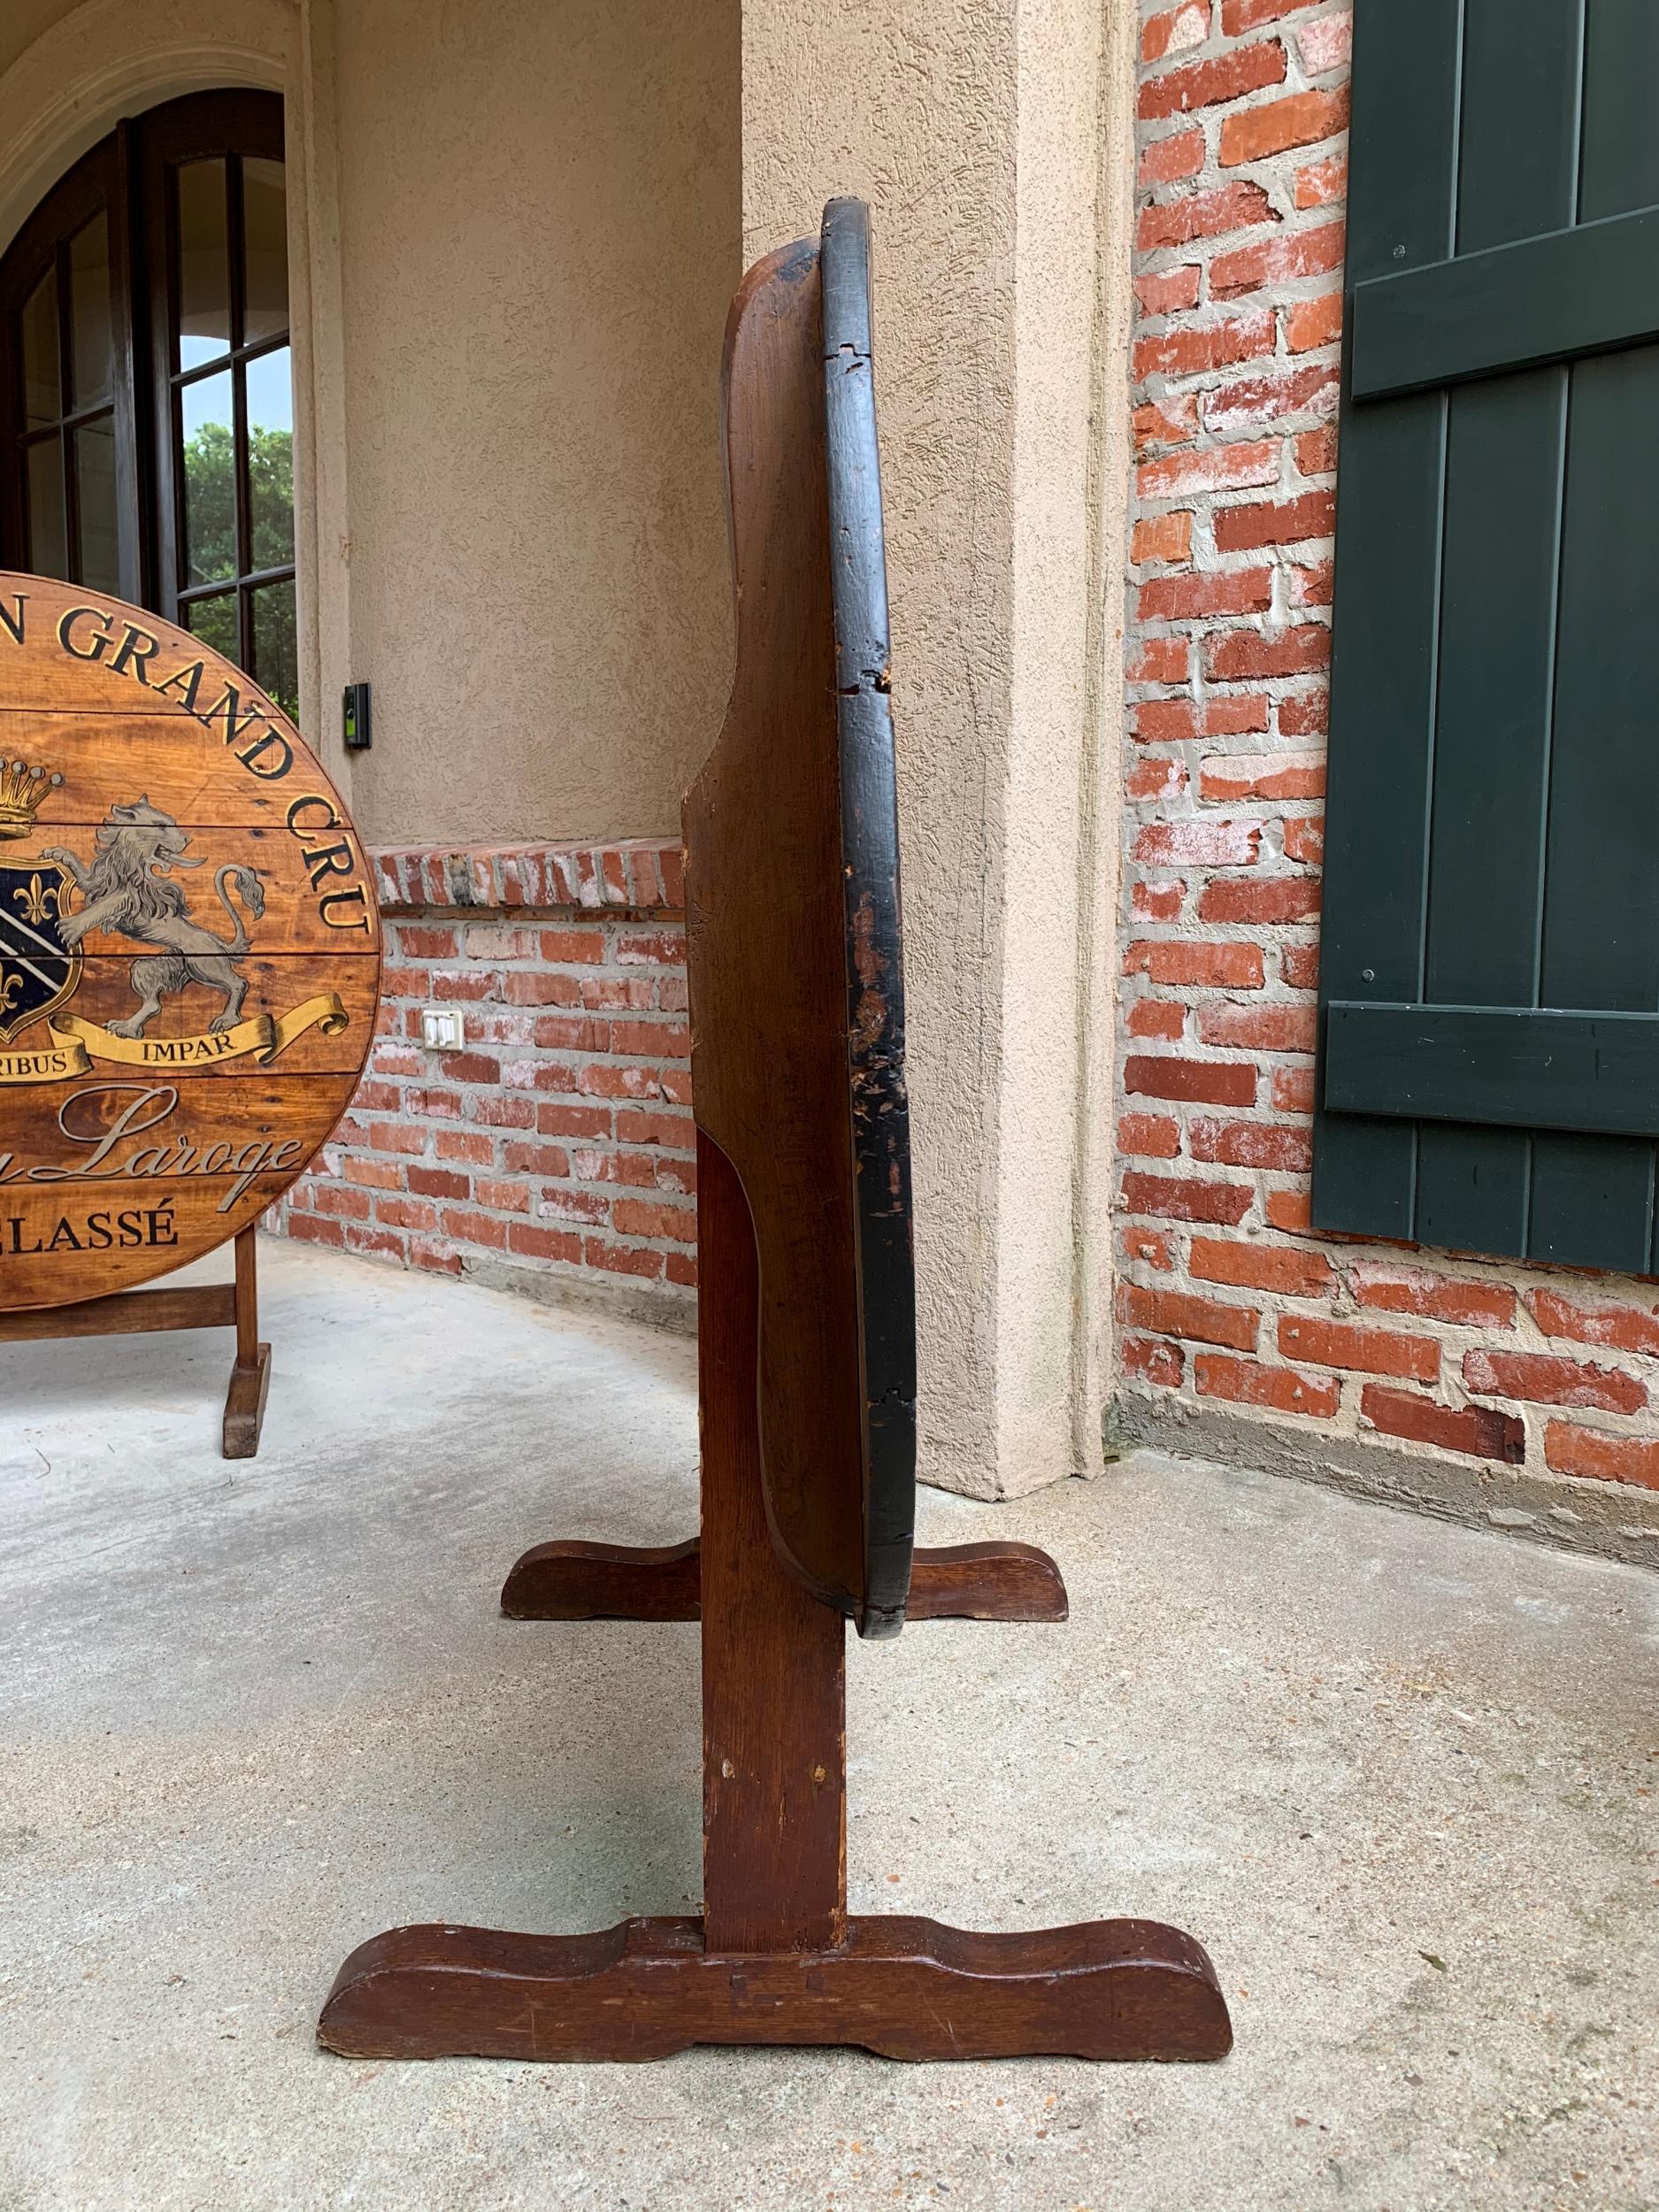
(1385, 629)
(128, 1313)
(1592, 1198)
(189, 953)
(764, 932)
(299, 901)
(178, 1040)
(1517, 91)
(1508, 825)
(1551, 298)
(1514, 1067)
(794, 941)
(127, 1179)
(1620, 153)
(774, 1708)
(201, 784)
(1506, 439)
(901, 1986)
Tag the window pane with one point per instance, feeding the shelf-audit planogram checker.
(203, 264)
(265, 239)
(270, 460)
(40, 353)
(93, 339)
(275, 655)
(95, 496)
(49, 541)
(214, 622)
(209, 470)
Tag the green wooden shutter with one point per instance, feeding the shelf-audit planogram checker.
(1489, 1072)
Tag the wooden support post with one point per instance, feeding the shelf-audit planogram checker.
(251, 1377)
(774, 1708)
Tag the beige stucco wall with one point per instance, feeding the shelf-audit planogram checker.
(1074, 189)
(912, 107)
(511, 276)
(539, 236)
(992, 137)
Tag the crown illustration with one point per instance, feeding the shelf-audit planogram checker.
(22, 787)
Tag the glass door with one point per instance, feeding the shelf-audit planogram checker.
(67, 387)
(146, 387)
(216, 227)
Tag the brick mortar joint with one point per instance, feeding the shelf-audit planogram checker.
(556, 910)
(613, 878)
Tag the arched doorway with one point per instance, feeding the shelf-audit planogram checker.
(146, 389)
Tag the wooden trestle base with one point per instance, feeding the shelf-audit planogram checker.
(573, 1581)
(904, 1988)
(181, 1306)
(776, 1958)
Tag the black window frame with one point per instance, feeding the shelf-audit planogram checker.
(101, 181)
(233, 126)
(127, 175)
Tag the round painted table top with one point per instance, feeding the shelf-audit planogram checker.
(189, 949)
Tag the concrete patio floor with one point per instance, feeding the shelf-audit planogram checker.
(1397, 1775)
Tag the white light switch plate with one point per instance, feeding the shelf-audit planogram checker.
(442, 1028)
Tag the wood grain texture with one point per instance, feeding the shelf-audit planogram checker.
(245, 1292)
(126, 1313)
(155, 1170)
(112, 659)
(906, 1988)
(774, 1724)
(289, 918)
(765, 931)
(569, 1580)
(276, 983)
(189, 950)
(245, 1404)
(204, 784)
(986, 1582)
(795, 952)
(574, 1581)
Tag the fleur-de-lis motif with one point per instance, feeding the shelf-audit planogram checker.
(37, 901)
(10, 988)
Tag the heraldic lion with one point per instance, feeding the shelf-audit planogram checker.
(126, 891)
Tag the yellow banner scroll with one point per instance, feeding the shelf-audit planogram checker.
(75, 1044)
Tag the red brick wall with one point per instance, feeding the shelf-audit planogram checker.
(557, 1149)
(1228, 1306)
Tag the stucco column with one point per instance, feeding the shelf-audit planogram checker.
(992, 140)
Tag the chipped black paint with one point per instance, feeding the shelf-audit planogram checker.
(874, 937)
